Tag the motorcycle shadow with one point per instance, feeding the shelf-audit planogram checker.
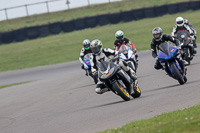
(80, 87)
(107, 104)
(162, 88)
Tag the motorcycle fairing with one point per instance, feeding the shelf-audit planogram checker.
(166, 51)
(107, 70)
(86, 59)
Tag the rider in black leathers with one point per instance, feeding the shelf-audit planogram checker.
(159, 38)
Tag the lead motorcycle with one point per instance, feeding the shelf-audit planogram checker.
(128, 56)
(186, 45)
(117, 80)
(169, 58)
(86, 59)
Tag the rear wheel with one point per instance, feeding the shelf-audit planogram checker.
(177, 74)
(121, 91)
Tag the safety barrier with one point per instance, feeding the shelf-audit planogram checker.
(92, 21)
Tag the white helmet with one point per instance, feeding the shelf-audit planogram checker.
(179, 21)
(119, 35)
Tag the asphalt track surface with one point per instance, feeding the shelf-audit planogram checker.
(61, 99)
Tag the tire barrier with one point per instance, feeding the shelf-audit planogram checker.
(127, 16)
(68, 26)
(55, 28)
(8, 37)
(161, 10)
(19, 35)
(172, 8)
(43, 30)
(32, 32)
(182, 7)
(90, 22)
(103, 19)
(79, 24)
(1, 39)
(138, 14)
(149, 12)
(194, 5)
(114, 18)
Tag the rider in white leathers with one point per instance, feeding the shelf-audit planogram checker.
(107, 54)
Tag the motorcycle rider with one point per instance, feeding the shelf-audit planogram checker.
(107, 54)
(194, 32)
(180, 25)
(159, 38)
(85, 50)
(120, 40)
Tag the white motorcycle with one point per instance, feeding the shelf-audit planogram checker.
(128, 56)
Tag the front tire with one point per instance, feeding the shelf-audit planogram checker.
(177, 74)
(137, 93)
(121, 91)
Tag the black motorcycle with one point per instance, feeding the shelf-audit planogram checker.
(186, 45)
(117, 80)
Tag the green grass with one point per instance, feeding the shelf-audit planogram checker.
(180, 121)
(66, 46)
(80, 12)
(4, 86)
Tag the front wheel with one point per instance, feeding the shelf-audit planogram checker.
(121, 91)
(137, 93)
(177, 74)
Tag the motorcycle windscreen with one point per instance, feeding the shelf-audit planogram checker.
(87, 58)
(164, 47)
(166, 51)
(103, 66)
(182, 36)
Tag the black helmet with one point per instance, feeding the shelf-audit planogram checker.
(157, 33)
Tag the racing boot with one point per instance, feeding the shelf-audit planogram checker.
(132, 74)
(101, 88)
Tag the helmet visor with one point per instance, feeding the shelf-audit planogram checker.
(95, 49)
(120, 38)
(86, 45)
(157, 35)
(179, 22)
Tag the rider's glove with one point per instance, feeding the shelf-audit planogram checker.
(178, 47)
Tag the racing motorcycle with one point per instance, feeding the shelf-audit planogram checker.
(169, 58)
(117, 80)
(128, 56)
(186, 45)
(86, 59)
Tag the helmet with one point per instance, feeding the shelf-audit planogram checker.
(96, 47)
(186, 21)
(119, 35)
(179, 21)
(86, 44)
(157, 33)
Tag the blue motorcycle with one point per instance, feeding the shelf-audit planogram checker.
(170, 58)
(88, 67)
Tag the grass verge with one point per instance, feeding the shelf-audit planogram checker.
(66, 46)
(180, 121)
(80, 12)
